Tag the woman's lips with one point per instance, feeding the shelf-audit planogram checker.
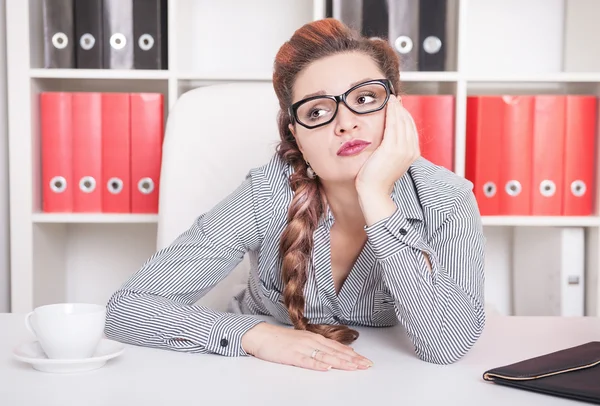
(353, 147)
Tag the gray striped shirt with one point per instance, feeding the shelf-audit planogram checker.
(442, 310)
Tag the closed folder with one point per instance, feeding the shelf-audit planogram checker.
(150, 34)
(580, 148)
(375, 18)
(59, 43)
(403, 32)
(118, 34)
(146, 150)
(434, 119)
(88, 34)
(116, 153)
(516, 150)
(56, 133)
(572, 373)
(87, 152)
(432, 35)
(548, 155)
(484, 141)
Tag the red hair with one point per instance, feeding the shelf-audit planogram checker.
(313, 41)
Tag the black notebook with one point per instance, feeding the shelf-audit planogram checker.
(572, 373)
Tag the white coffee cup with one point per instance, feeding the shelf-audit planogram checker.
(67, 330)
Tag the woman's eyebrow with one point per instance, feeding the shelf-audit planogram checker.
(322, 92)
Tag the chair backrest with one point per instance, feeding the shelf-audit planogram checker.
(214, 136)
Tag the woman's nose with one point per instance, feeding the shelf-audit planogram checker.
(345, 120)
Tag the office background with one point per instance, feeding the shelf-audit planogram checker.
(535, 264)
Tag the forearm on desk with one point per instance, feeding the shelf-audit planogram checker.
(154, 321)
(437, 286)
(156, 306)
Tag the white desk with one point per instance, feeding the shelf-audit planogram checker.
(144, 376)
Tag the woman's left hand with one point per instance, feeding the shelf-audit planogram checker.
(399, 148)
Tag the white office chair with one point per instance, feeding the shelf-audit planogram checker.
(214, 136)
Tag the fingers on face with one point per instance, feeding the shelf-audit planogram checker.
(409, 130)
(391, 118)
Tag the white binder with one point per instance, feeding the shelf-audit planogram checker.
(549, 271)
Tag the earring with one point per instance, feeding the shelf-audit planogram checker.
(310, 171)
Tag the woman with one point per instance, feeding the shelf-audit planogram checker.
(346, 225)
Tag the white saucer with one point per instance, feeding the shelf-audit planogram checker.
(32, 353)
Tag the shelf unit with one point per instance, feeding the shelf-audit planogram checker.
(84, 257)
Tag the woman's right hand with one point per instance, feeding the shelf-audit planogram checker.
(295, 347)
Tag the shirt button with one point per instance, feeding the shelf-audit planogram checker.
(403, 231)
(224, 342)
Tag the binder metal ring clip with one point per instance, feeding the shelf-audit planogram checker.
(578, 188)
(60, 40)
(58, 184)
(513, 188)
(547, 188)
(403, 44)
(146, 42)
(118, 41)
(87, 41)
(87, 184)
(489, 189)
(146, 185)
(432, 44)
(114, 185)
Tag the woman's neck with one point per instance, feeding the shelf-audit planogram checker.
(343, 202)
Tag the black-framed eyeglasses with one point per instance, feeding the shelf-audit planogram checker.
(363, 98)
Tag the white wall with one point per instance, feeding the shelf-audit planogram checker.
(4, 223)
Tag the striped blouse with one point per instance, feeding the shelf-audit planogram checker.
(441, 310)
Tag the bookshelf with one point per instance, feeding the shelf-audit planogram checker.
(85, 257)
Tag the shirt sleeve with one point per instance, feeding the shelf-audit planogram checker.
(156, 306)
(442, 310)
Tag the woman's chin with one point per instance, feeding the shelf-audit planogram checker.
(346, 176)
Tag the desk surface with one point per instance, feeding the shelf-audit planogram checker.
(144, 376)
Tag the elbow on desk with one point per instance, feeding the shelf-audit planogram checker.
(114, 327)
(120, 322)
(452, 347)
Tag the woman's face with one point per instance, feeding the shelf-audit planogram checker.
(320, 146)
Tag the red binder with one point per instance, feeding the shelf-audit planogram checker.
(547, 158)
(146, 150)
(56, 134)
(483, 145)
(515, 168)
(434, 119)
(580, 148)
(116, 153)
(87, 152)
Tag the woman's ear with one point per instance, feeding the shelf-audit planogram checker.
(292, 129)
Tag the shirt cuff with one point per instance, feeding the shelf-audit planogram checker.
(225, 336)
(392, 234)
(208, 331)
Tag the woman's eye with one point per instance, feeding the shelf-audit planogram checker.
(365, 99)
(316, 113)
